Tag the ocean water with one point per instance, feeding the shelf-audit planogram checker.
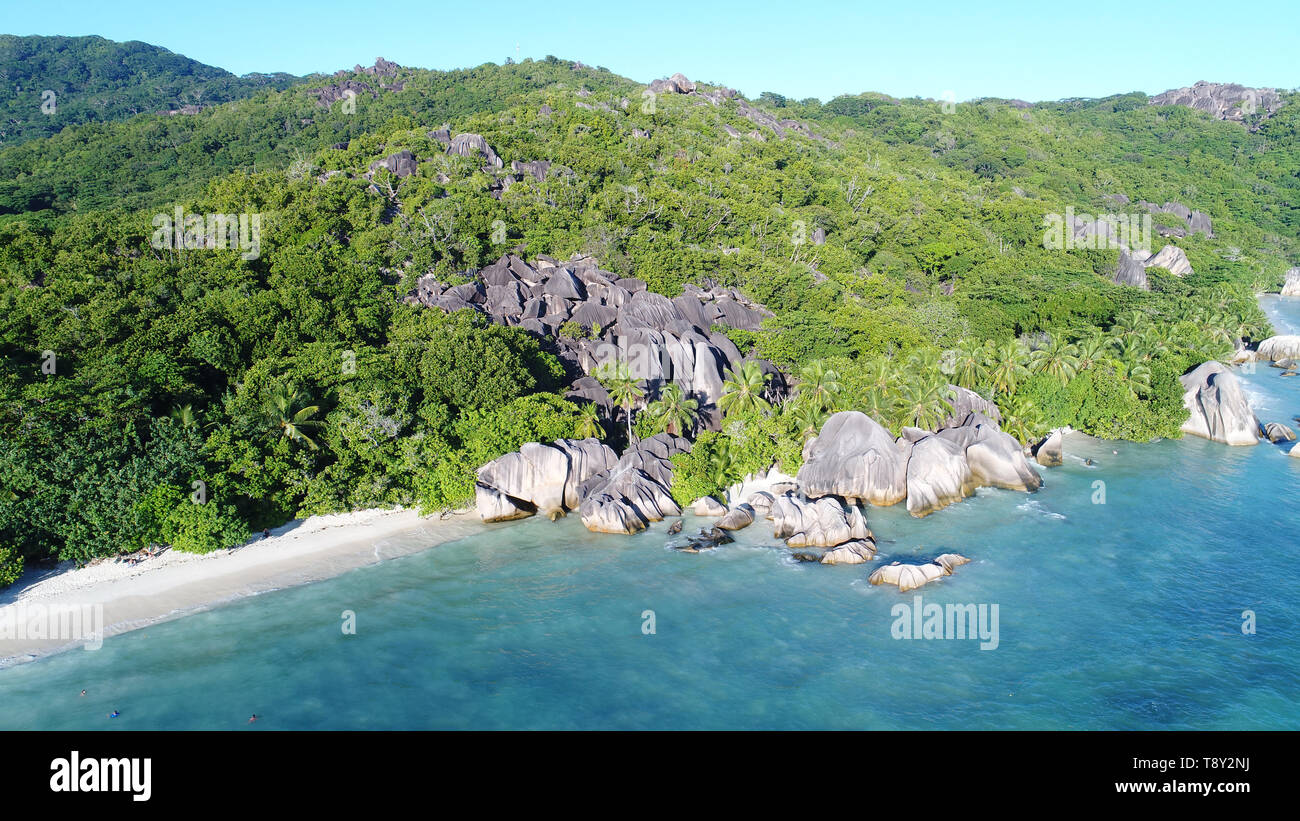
(1126, 614)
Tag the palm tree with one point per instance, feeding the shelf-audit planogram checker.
(1059, 359)
(743, 389)
(589, 422)
(1021, 419)
(1009, 366)
(184, 416)
(722, 463)
(623, 390)
(1136, 375)
(290, 415)
(672, 411)
(967, 363)
(819, 384)
(1092, 350)
(807, 416)
(925, 402)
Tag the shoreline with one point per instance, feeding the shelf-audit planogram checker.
(179, 584)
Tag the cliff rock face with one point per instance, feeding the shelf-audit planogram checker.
(1223, 101)
(1218, 406)
(539, 478)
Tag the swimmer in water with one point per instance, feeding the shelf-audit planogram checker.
(114, 714)
(252, 718)
(83, 692)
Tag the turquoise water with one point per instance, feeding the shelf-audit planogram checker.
(1123, 615)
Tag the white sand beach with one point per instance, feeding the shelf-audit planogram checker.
(174, 584)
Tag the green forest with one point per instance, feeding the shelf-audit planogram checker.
(193, 396)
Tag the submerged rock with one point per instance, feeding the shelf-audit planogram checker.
(858, 551)
(739, 517)
(1218, 407)
(911, 576)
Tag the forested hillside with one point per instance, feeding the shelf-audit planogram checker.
(899, 245)
(49, 83)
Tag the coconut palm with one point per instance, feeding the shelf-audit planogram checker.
(1091, 351)
(808, 417)
(289, 414)
(589, 426)
(819, 384)
(967, 365)
(1021, 419)
(623, 390)
(184, 416)
(672, 411)
(743, 389)
(1059, 359)
(1010, 366)
(722, 463)
(1136, 376)
(879, 374)
(924, 402)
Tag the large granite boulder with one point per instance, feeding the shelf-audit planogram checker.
(538, 478)
(997, 460)
(1292, 285)
(1050, 451)
(857, 551)
(740, 516)
(937, 476)
(1131, 271)
(965, 402)
(1218, 407)
(1277, 348)
(911, 576)
(474, 145)
(1223, 101)
(1173, 259)
(854, 457)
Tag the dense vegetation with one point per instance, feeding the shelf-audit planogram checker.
(187, 397)
(98, 80)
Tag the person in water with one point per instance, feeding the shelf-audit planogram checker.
(83, 692)
(114, 714)
(252, 718)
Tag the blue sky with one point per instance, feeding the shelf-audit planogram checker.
(1031, 50)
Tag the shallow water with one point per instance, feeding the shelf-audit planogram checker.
(1125, 614)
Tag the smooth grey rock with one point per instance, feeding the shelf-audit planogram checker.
(857, 551)
(1218, 406)
(937, 476)
(855, 458)
(739, 517)
(708, 506)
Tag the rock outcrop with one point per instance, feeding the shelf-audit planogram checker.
(1173, 259)
(1049, 452)
(937, 475)
(855, 458)
(1223, 101)
(539, 478)
(1279, 348)
(739, 517)
(823, 523)
(659, 339)
(635, 491)
(1291, 287)
(1218, 407)
(1277, 432)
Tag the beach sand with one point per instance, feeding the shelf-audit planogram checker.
(175, 584)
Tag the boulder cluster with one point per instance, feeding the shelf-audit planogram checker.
(1197, 222)
(1223, 101)
(612, 494)
(856, 459)
(594, 317)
